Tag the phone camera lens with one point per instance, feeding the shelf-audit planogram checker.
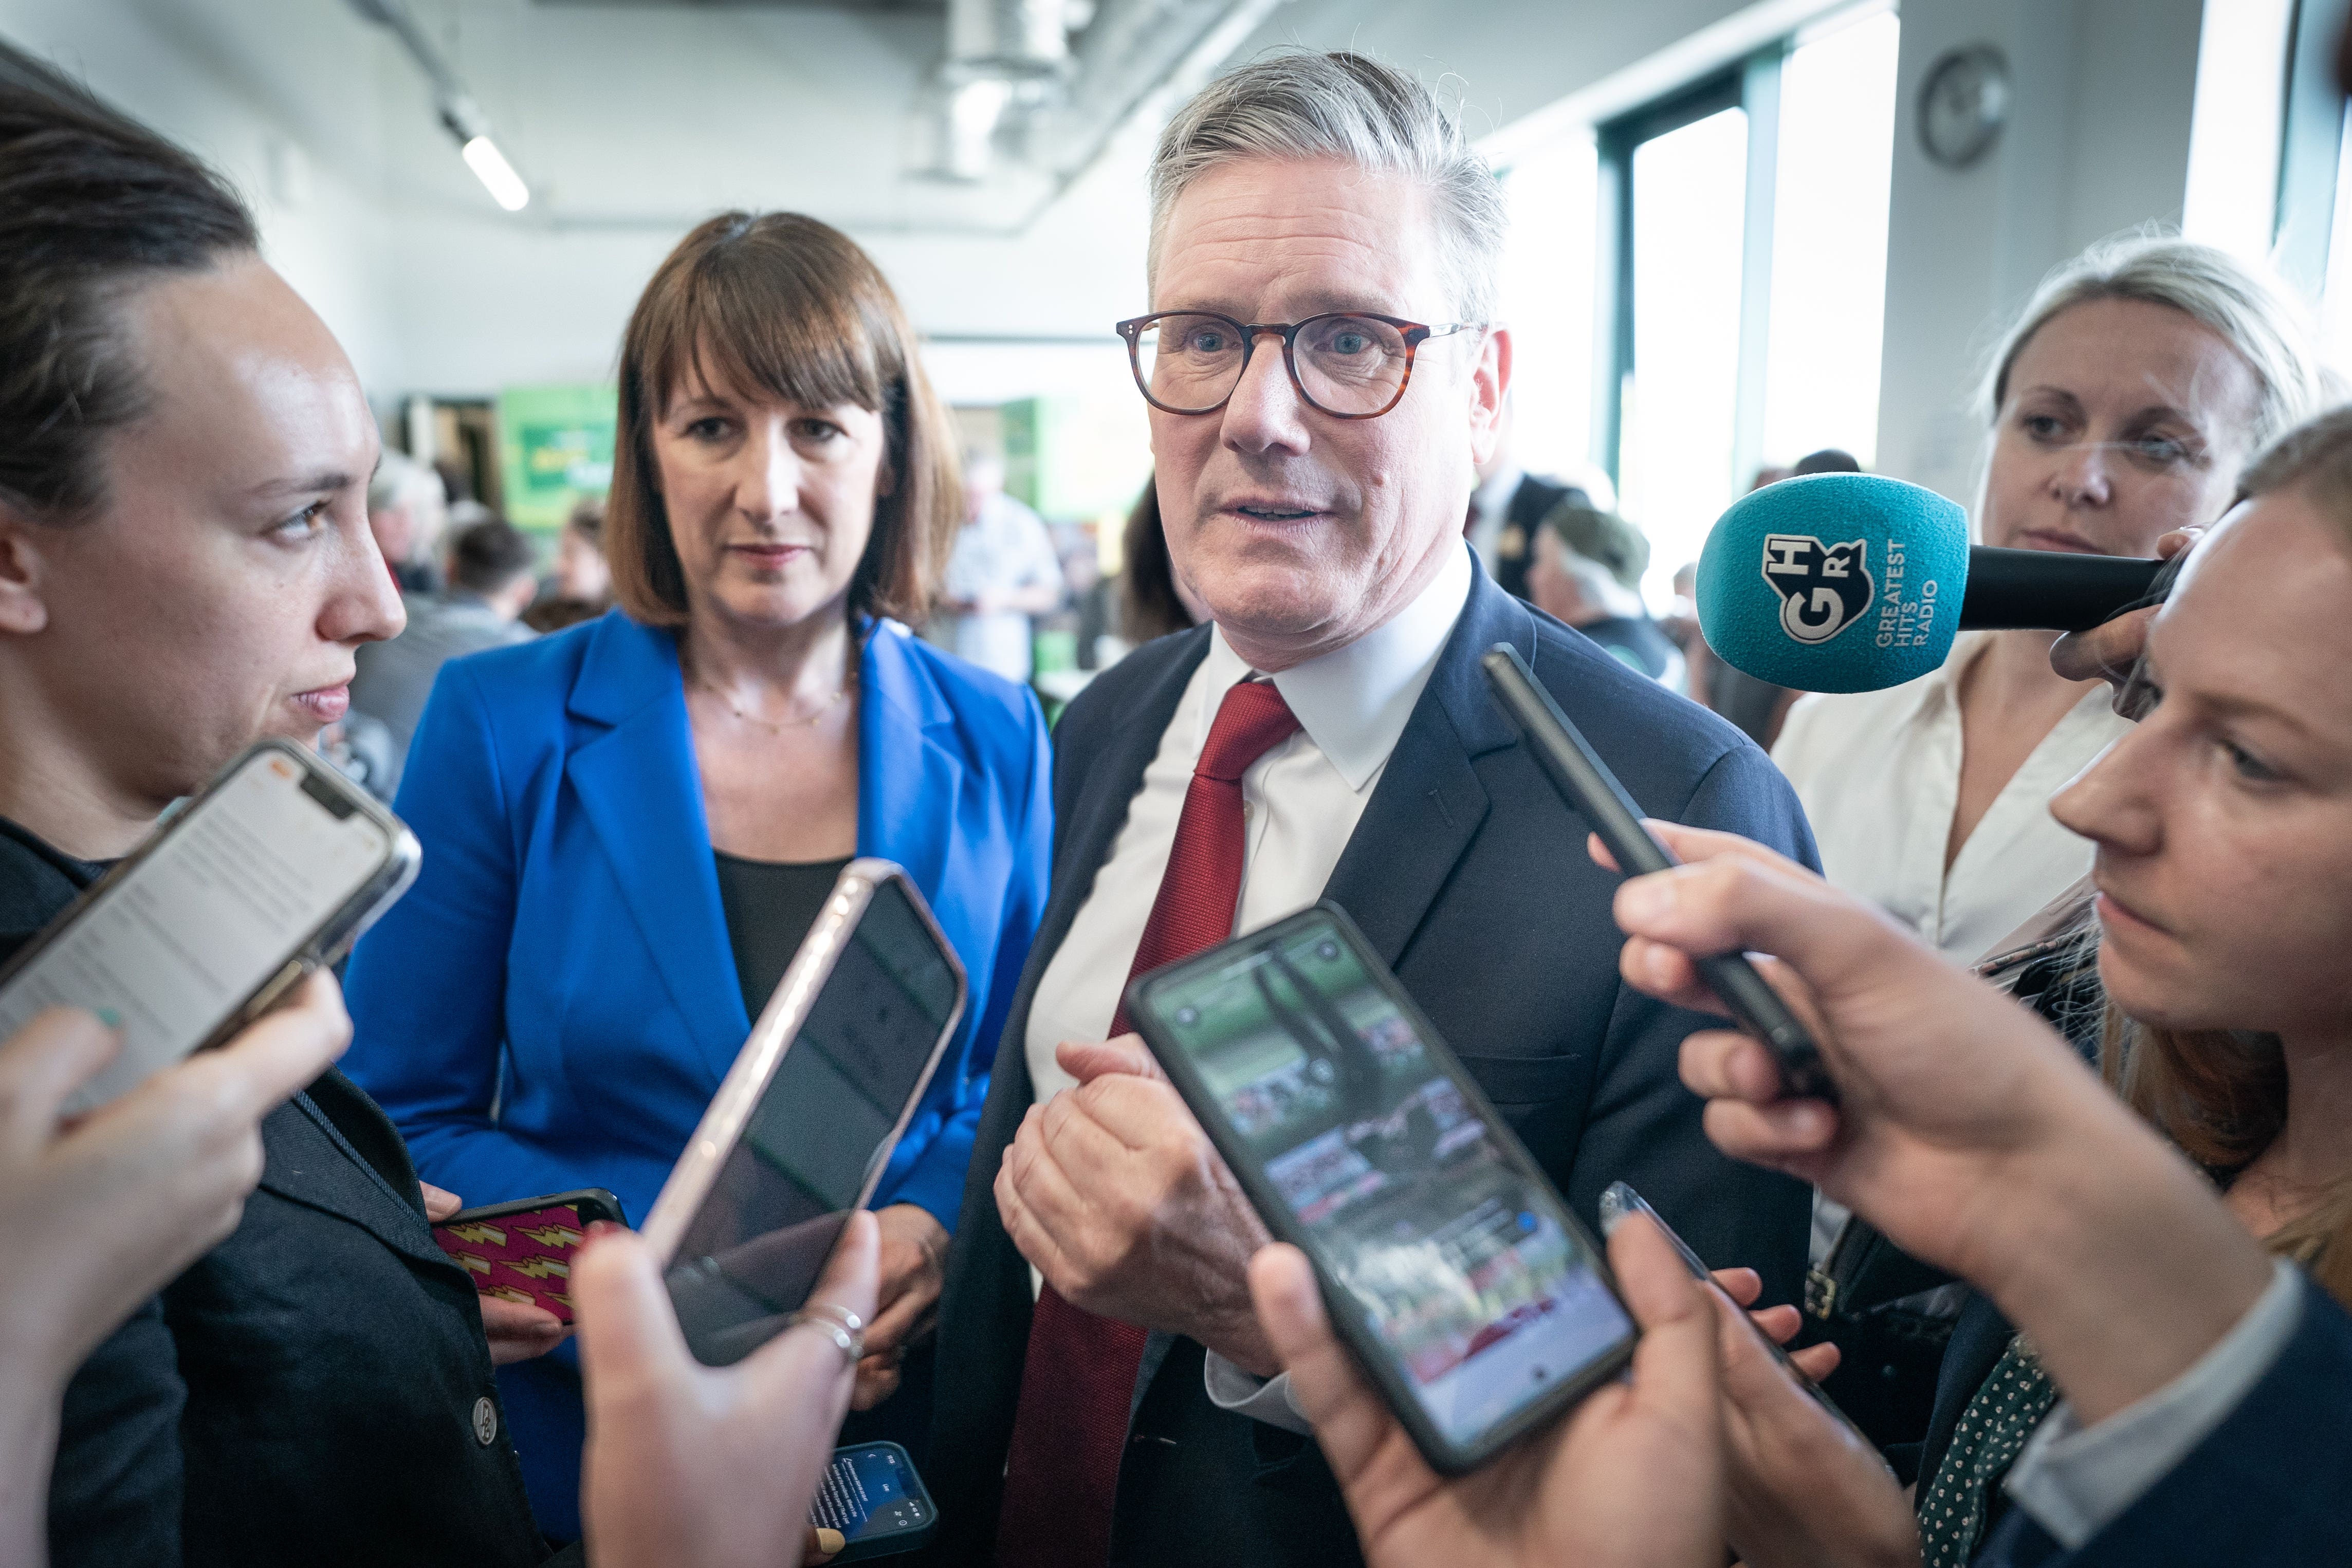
(1187, 1015)
(1327, 950)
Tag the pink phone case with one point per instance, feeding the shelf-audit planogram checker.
(521, 1257)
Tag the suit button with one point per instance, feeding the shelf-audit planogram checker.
(485, 1421)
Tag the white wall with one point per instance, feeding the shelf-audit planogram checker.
(2098, 142)
(320, 229)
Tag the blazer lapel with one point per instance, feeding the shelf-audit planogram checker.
(307, 1161)
(638, 787)
(909, 783)
(1429, 802)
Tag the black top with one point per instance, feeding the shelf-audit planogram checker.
(770, 906)
(315, 1389)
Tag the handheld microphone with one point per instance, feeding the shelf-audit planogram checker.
(1855, 582)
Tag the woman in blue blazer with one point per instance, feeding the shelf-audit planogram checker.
(629, 826)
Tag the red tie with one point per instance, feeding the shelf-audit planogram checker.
(1061, 1478)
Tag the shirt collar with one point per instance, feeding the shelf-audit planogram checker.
(1354, 702)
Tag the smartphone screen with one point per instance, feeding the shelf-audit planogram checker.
(870, 1492)
(1460, 1258)
(823, 1126)
(238, 883)
(523, 1251)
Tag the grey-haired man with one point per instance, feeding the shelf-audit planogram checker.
(1325, 373)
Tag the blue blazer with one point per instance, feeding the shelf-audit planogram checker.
(555, 1001)
(1470, 879)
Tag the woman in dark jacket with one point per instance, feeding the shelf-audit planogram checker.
(183, 457)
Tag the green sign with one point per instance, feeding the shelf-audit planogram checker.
(555, 446)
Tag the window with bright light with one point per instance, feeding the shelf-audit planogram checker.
(1547, 289)
(1744, 241)
(1829, 243)
(1679, 396)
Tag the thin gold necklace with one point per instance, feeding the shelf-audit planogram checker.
(774, 726)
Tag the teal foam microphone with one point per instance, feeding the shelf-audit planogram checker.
(1855, 582)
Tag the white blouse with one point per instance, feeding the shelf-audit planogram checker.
(1879, 774)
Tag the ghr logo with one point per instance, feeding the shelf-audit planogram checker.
(1823, 589)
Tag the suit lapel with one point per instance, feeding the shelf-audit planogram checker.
(1429, 803)
(909, 784)
(638, 787)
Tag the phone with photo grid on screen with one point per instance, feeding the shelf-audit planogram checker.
(1450, 1264)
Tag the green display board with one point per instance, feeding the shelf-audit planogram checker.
(1076, 457)
(555, 446)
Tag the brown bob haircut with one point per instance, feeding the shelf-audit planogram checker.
(783, 305)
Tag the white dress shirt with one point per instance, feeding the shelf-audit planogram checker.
(1302, 801)
(2075, 1481)
(1879, 775)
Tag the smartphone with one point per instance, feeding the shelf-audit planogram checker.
(270, 872)
(872, 1495)
(802, 1128)
(1468, 1292)
(521, 1252)
(1589, 790)
(1618, 1200)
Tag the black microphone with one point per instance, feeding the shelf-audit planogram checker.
(2050, 589)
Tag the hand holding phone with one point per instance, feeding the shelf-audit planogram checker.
(270, 874)
(1471, 1297)
(521, 1252)
(1619, 1201)
(871, 1494)
(1588, 789)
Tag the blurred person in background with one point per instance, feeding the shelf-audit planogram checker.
(490, 571)
(581, 587)
(1587, 573)
(1152, 600)
(629, 826)
(2121, 405)
(187, 566)
(1507, 510)
(1002, 573)
(408, 508)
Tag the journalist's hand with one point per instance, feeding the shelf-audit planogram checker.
(98, 1213)
(690, 1466)
(1968, 1132)
(2110, 651)
(95, 1215)
(1633, 1477)
(1116, 1194)
(1802, 1490)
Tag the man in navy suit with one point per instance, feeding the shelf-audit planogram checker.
(1324, 376)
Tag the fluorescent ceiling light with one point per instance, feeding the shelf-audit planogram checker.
(498, 176)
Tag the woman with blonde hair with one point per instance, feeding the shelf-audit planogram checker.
(630, 825)
(2121, 405)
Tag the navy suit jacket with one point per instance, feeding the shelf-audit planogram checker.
(1471, 879)
(555, 1001)
(2268, 1486)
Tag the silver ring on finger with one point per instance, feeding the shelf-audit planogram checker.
(845, 1328)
